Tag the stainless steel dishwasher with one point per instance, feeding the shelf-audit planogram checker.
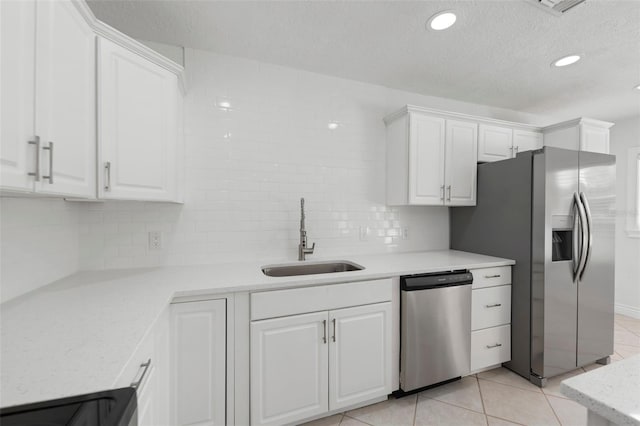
(435, 328)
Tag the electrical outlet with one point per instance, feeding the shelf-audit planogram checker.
(155, 240)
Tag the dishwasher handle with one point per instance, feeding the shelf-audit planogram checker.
(437, 280)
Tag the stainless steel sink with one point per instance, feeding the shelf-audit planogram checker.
(310, 268)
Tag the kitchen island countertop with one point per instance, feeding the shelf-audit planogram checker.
(610, 393)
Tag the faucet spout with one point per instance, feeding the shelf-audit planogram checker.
(303, 250)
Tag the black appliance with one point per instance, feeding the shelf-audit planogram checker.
(116, 407)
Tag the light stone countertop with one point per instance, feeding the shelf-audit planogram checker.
(76, 335)
(612, 391)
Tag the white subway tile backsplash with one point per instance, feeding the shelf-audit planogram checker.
(246, 168)
(38, 243)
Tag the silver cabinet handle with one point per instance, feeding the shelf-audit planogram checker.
(50, 149)
(324, 329)
(442, 192)
(449, 196)
(495, 305)
(107, 176)
(493, 276)
(587, 212)
(497, 345)
(334, 329)
(144, 366)
(36, 142)
(582, 216)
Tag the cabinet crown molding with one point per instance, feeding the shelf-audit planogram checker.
(458, 116)
(104, 30)
(577, 121)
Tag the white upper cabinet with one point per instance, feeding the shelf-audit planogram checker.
(583, 134)
(49, 107)
(526, 140)
(139, 135)
(501, 142)
(461, 163)
(48, 111)
(65, 100)
(431, 160)
(17, 115)
(426, 159)
(495, 143)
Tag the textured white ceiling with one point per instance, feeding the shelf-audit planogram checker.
(498, 53)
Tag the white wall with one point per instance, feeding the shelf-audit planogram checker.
(38, 243)
(243, 191)
(624, 135)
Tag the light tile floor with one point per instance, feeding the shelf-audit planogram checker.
(494, 398)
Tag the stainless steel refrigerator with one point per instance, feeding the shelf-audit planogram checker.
(553, 212)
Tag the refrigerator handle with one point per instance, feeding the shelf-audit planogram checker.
(579, 242)
(589, 222)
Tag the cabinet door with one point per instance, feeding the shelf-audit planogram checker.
(594, 139)
(426, 159)
(289, 368)
(65, 100)
(524, 140)
(198, 343)
(495, 143)
(17, 74)
(461, 163)
(359, 354)
(137, 126)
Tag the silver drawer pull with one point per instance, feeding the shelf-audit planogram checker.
(492, 276)
(145, 366)
(107, 176)
(50, 149)
(334, 329)
(36, 174)
(497, 345)
(495, 305)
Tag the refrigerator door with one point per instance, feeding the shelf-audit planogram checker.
(554, 292)
(596, 284)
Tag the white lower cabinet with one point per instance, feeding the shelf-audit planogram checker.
(489, 347)
(309, 364)
(289, 368)
(359, 354)
(148, 372)
(198, 363)
(490, 317)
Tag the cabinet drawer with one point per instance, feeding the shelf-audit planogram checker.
(278, 303)
(490, 307)
(490, 346)
(490, 277)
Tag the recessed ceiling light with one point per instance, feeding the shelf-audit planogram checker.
(332, 125)
(566, 60)
(638, 87)
(441, 20)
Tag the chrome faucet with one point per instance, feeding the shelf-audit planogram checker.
(303, 250)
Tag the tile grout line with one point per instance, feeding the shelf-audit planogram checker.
(353, 418)
(552, 409)
(415, 410)
(484, 409)
(511, 386)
